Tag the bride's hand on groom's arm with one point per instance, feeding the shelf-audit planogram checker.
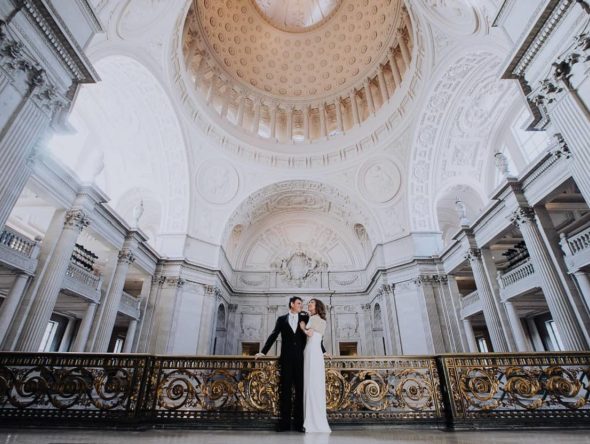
(259, 355)
(327, 355)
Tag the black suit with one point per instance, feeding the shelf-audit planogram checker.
(291, 365)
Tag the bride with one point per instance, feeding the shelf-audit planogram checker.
(314, 375)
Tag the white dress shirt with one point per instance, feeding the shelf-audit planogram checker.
(293, 318)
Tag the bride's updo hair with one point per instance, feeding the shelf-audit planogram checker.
(320, 308)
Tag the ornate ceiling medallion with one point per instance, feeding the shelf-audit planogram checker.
(296, 15)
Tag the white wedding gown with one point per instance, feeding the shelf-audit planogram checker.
(314, 380)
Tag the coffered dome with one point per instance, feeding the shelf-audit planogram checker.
(296, 15)
(297, 71)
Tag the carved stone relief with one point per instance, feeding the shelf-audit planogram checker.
(379, 180)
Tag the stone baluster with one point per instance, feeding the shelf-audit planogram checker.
(130, 336)
(339, 121)
(323, 126)
(471, 341)
(382, 85)
(42, 306)
(79, 344)
(110, 306)
(354, 107)
(553, 289)
(11, 303)
(486, 296)
(369, 96)
(520, 337)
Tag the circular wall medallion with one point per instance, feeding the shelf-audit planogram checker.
(217, 181)
(379, 180)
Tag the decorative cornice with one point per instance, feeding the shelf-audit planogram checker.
(58, 35)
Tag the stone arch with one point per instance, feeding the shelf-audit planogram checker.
(456, 202)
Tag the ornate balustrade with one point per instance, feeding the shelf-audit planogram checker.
(82, 282)
(578, 242)
(517, 280)
(477, 390)
(577, 249)
(18, 251)
(470, 304)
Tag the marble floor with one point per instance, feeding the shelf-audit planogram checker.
(365, 436)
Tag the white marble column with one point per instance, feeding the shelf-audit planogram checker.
(323, 127)
(553, 289)
(403, 46)
(273, 122)
(339, 121)
(79, 344)
(486, 296)
(113, 299)
(369, 96)
(471, 341)
(256, 120)
(355, 109)
(11, 303)
(42, 306)
(305, 112)
(584, 284)
(397, 77)
(522, 345)
(28, 122)
(382, 85)
(130, 336)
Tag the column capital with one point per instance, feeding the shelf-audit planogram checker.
(76, 218)
(473, 254)
(126, 256)
(523, 215)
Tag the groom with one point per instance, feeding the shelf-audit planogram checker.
(293, 341)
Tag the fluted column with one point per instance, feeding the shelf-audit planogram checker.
(273, 122)
(584, 284)
(553, 289)
(11, 303)
(522, 344)
(305, 112)
(79, 345)
(369, 96)
(355, 108)
(323, 127)
(241, 107)
(471, 341)
(382, 85)
(403, 46)
(290, 124)
(339, 121)
(130, 336)
(397, 77)
(256, 120)
(113, 299)
(486, 296)
(36, 322)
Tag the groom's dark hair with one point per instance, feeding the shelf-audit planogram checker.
(293, 299)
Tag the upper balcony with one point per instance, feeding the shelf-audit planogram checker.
(576, 247)
(518, 280)
(18, 251)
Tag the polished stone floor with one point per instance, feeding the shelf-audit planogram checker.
(365, 436)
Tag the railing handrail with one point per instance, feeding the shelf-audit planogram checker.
(511, 277)
(80, 274)
(17, 241)
(579, 241)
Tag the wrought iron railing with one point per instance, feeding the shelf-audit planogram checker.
(476, 390)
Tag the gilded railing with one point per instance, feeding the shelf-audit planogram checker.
(531, 388)
(475, 390)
